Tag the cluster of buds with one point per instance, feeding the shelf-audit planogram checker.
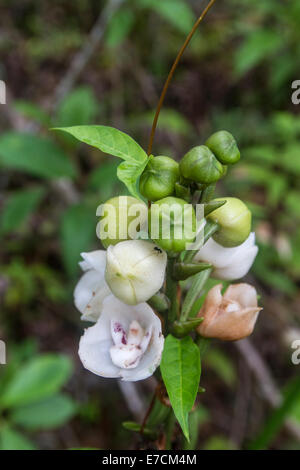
(119, 284)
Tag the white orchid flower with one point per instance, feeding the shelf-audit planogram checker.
(229, 263)
(135, 270)
(231, 316)
(91, 289)
(126, 342)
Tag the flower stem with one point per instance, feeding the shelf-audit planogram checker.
(171, 73)
(171, 292)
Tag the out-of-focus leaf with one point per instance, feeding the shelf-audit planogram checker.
(255, 48)
(18, 207)
(78, 108)
(119, 27)
(177, 12)
(222, 365)
(35, 155)
(181, 369)
(219, 443)
(78, 228)
(33, 112)
(49, 413)
(38, 379)
(197, 418)
(104, 179)
(170, 120)
(10, 439)
(275, 421)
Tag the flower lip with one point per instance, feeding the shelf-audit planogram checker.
(126, 342)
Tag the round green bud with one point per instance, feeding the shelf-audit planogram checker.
(159, 177)
(234, 219)
(172, 224)
(121, 218)
(200, 165)
(224, 146)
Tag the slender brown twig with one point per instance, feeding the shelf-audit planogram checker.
(171, 73)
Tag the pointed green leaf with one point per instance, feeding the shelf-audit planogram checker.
(181, 369)
(116, 143)
(108, 140)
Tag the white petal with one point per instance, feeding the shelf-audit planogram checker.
(219, 256)
(94, 260)
(239, 267)
(94, 350)
(89, 294)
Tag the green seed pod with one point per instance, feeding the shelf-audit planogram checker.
(234, 219)
(224, 146)
(200, 165)
(121, 218)
(159, 177)
(172, 224)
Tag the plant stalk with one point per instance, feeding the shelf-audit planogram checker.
(171, 73)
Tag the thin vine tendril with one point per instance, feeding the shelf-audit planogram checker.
(171, 73)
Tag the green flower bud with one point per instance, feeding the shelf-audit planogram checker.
(200, 165)
(121, 218)
(159, 177)
(172, 224)
(234, 220)
(224, 146)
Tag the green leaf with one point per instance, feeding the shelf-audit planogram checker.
(104, 179)
(176, 12)
(108, 140)
(129, 173)
(18, 207)
(79, 107)
(77, 231)
(13, 440)
(119, 27)
(181, 369)
(256, 47)
(33, 111)
(275, 421)
(49, 413)
(34, 155)
(38, 379)
(116, 143)
(222, 365)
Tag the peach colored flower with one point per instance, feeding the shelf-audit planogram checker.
(231, 316)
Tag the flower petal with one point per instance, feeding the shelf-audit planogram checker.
(94, 260)
(241, 263)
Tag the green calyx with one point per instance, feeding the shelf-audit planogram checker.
(234, 220)
(120, 215)
(224, 147)
(172, 224)
(183, 271)
(201, 166)
(183, 328)
(159, 177)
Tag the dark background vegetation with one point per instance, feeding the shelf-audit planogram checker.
(236, 75)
